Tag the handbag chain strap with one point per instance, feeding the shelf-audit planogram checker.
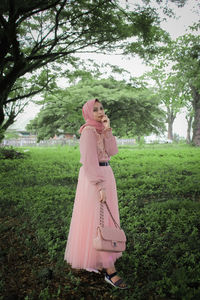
(102, 215)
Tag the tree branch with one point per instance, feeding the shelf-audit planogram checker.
(33, 11)
(25, 96)
(3, 22)
(56, 26)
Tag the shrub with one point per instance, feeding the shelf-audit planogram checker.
(158, 191)
(10, 153)
(163, 246)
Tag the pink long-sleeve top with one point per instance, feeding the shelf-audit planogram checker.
(95, 148)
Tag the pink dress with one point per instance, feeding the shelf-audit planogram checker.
(79, 252)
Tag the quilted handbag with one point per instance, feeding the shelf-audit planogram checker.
(109, 239)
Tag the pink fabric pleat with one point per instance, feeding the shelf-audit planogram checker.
(79, 252)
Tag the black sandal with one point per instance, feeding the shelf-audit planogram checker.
(117, 283)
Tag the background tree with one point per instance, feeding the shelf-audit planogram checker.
(41, 34)
(188, 109)
(37, 34)
(189, 118)
(185, 52)
(170, 91)
(180, 87)
(133, 111)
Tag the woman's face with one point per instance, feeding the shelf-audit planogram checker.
(98, 111)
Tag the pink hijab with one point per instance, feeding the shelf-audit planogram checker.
(87, 111)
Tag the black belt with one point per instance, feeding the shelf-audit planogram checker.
(104, 163)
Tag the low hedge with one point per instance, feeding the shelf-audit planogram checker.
(159, 207)
(162, 256)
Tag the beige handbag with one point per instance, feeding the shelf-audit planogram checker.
(109, 239)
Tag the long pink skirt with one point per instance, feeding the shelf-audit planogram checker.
(79, 252)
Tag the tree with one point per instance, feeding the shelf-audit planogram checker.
(132, 110)
(170, 92)
(183, 88)
(187, 100)
(37, 36)
(190, 119)
(186, 56)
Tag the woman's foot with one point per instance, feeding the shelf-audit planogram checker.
(112, 278)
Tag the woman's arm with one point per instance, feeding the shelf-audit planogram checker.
(89, 157)
(110, 142)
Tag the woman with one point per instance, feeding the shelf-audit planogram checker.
(96, 183)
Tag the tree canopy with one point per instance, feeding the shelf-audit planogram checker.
(170, 90)
(41, 33)
(38, 37)
(185, 55)
(176, 73)
(133, 111)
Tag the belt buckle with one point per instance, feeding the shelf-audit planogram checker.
(104, 163)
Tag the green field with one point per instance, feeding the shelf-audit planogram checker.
(159, 201)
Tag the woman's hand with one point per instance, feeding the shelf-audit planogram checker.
(102, 196)
(106, 122)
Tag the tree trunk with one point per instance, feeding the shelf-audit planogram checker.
(2, 117)
(5, 126)
(189, 122)
(196, 123)
(170, 120)
(170, 131)
(4, 123)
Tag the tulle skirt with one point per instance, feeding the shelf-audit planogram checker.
(79, 252)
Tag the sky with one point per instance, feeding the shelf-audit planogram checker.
(185, 17)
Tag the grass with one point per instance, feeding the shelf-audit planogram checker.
(159, 201)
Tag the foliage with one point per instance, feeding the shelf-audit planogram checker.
(180, 88)
(171, 91)
(11, 153)
(135, 108)
(186, 51)
(158, 194)
(11, 134)
(162, 254)
(36, 38)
